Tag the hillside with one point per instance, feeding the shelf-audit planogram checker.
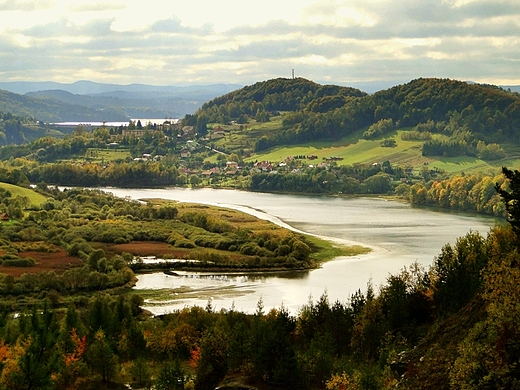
(437, 118)
(314, 112)
(35, 198)
(85, 87)
(52, 110)
(143, 102)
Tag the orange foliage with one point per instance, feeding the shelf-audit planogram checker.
(5, 352)
(195, 357)
(79, 349)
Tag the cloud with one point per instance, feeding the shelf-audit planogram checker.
(25, 6)
(337, 41)
(97, 7)
(66, 29)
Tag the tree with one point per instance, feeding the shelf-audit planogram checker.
(212, 365)
(94, 258)
(511, 197)
(141, 372)
(195, 180)
(171, 377)
(38, 353)
(101, 357)
(201, 127)
(378, 184)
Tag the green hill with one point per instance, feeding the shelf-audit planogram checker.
(451, 124)
(35, 198)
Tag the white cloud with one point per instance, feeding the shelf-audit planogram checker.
(204, 41)
(95, 7)
(25, 5)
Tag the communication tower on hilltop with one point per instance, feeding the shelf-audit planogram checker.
(293, 74)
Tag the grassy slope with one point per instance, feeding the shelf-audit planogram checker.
(35, 198)
(354, 149)
(99, 155)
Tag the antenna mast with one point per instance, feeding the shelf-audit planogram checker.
(293, 74)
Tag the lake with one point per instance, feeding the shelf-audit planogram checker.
(398, 234)
(144, 122)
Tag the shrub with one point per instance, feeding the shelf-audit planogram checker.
(184, 243)
(20, 262)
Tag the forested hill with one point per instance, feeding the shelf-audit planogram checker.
(279, 94)
(319, 112)
(52, 110)
(437, 99)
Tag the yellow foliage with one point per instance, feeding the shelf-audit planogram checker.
(344, 382)
(11, 367)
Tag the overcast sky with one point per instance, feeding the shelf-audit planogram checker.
(176, 42)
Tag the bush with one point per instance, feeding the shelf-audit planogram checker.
(377, 129)
(183, 243)
(20, 262)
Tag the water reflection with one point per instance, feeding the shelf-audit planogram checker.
(398, 233)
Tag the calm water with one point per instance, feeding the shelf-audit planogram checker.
(398, 233)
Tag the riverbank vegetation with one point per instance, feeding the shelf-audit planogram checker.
(454, 325)
(79, 240)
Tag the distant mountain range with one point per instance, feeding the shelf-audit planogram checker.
(87, 100)
(85, 87)
(90, 101)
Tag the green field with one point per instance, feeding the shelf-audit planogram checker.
(100, 155)
(353, 149)
(35, 198)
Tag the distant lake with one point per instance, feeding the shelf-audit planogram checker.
(398, 233)
(144, 122)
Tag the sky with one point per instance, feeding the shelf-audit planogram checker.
(352, 42)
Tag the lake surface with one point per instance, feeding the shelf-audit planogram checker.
(398, 233)
(115, 124)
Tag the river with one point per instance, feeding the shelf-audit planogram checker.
(398, 234)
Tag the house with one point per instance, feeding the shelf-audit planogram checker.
(185, 153)
(4, 217)
(265, 166)
(211, 172)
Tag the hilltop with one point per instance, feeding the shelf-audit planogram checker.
(314, 113)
